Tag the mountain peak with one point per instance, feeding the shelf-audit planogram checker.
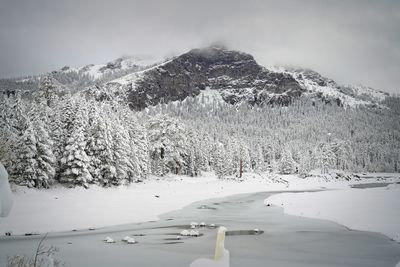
(235, 75)
(217, 53)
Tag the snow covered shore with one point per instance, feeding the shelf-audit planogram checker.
(62, 209)
(370, 209)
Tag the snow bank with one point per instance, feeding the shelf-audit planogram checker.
(374, 209)
(6, 200)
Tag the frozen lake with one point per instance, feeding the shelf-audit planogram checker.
(286, 241)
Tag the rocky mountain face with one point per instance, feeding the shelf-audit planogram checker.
(236, 76)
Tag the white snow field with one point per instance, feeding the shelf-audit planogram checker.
(66, 209)
(6, 199)
(366, 209)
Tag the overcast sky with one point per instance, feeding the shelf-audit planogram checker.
(349, 41)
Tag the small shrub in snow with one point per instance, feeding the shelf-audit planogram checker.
(42, 258)
(25, 261)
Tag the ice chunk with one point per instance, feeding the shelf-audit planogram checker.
(185, 233)
(109, 240)
(125, 239)
(131, 240)
(6, 200)
(194, 233)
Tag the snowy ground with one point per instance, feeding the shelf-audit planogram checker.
(62, 209)
(367, 209)
(285, 240)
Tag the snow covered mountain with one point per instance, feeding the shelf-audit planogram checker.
(235, 76)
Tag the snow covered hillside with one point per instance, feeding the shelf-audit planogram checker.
(123, 64)
(73, 79)
(345, 95)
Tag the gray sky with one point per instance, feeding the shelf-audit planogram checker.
(349, 41)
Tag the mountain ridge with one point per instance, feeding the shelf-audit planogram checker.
(234, 74)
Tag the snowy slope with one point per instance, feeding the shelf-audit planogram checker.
(365, 92)
(209, 97)
(316, 84)
(120, 87)
(131, 78)
(130, 64)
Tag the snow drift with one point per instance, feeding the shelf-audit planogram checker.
(6, 200)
